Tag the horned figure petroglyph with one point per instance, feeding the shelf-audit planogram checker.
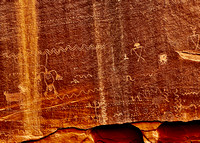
(50, 76)
(49, 80)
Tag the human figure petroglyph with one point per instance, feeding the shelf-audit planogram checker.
(138, 49)
(194, 38)
(97, 105)
(49, 80)
(125, 57)
(50, 76)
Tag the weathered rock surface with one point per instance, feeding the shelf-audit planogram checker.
(71, 135)
(179, 132)
(147, 132)
(72, 63)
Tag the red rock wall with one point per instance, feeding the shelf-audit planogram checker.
(147, 132)
(86, 63)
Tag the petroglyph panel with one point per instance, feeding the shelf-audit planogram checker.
(70, 63)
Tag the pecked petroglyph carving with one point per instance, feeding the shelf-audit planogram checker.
(129, 78)
(163, 59)
(179, 108)
(138, 81)
(192, 53)
(50, 76)
(60, 50)
(85, 92)
(49, 80)
(125, 57)
(74, 81)
(194, 39)
(17, 96)
(83, 76)
(138, 50)
(97, 105)
(56, 51)
(11, 97)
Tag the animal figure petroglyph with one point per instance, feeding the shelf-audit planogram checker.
(15, 97)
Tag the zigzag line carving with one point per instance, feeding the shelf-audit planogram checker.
(6, 55)
(57, 51)
(81, 92)
(83, 76)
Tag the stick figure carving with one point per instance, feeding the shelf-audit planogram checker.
(50, 76)
(125, 57)
(194, 39)
(138, 49)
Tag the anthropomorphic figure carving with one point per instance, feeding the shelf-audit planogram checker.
(49, 78)
(194, 39)
(138, 49)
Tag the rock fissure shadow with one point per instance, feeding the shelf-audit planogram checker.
(178, 132)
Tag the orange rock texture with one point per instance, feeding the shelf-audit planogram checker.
(86, 63)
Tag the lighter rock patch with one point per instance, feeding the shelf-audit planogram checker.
(163, 59)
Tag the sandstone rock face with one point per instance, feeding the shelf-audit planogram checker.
(179, 132)
(71, 63)
(71, 135)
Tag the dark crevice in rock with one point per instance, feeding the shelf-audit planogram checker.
(69, 129)
(179, 131)
(40, 138)
(140, 132)
(104, 133)
(126, 133)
